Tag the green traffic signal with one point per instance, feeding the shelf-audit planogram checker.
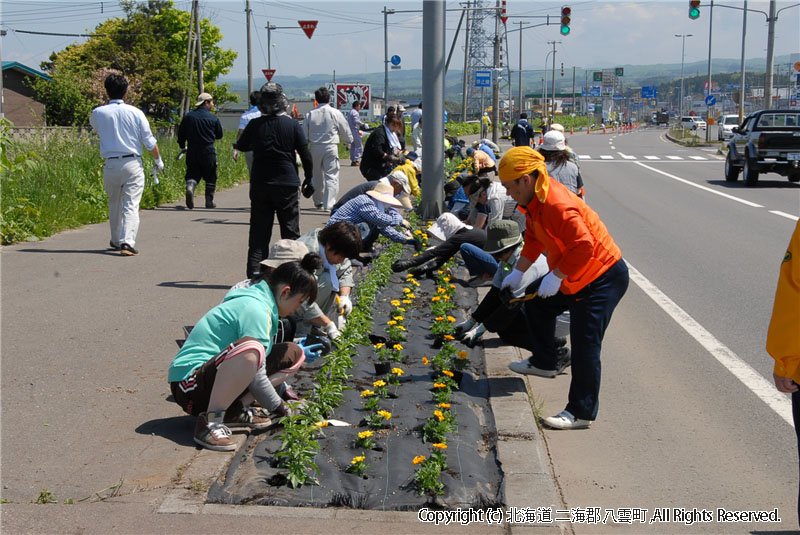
(566, 18)
(694, 13)
(565, 30)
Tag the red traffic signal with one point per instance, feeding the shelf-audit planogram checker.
(566, 18)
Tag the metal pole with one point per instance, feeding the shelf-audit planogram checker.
(708, 108)
(553, 92)
(2, 98)
(519, 89)
(189, 63)
(741, 66)
(465, 84)
(269, 45)
(433, 95)
(574, 98)
(770, 54)
(495, 75)
(249, 51)
(453, 46)
(200, 83)
(386, 60)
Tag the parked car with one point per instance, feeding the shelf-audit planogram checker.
(692, 123)
(768, 141)
(725, 126)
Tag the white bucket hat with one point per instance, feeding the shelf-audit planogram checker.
(446, 225)
(401, 178)
(285, 251)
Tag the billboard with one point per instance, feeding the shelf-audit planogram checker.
(344, 95)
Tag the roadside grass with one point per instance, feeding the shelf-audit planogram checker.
(53, 184)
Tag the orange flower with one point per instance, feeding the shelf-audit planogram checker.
(449, 337)
(439, 415)
(462, 354)
(444, 405)
(425, 361)
(439, 385)
(440, 445)
(418, 459)
(447, 373)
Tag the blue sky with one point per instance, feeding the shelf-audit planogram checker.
(349, 37)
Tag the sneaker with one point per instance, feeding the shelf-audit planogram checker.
(247, 418)
(526, 367)
(112, 246)
(127, 250)
(211, 433)
(565, 420)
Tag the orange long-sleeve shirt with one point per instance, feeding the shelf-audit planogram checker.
(783, 336)
(571, 234)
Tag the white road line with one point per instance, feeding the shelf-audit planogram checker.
(652, 158)
(627, 156)
(584, 157)
(753, 380)
(679, 179)
(784, 214)
(674, 158)
(606, 157)
(612, 147)
(697, 158)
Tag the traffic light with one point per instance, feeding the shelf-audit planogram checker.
(694, 9)
(566, 13)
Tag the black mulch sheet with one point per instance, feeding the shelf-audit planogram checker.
(473, 478)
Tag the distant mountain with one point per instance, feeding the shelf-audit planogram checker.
(407, 84)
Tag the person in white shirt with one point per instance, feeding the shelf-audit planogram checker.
(246, 117)
(325, 126)
(356, 125)
(416, 137)
(123, 129)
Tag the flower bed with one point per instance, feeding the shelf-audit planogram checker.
(408, 444)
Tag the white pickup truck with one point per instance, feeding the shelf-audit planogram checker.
(767, 141)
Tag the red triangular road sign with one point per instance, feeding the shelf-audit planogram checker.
(308, 26)
(504, 19)
(269, 73)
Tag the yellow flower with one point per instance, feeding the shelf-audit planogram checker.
(395, 302)
(398, 318)
(386, 414)
(446, 279)
(407, 301)
(439, 415)
(391, 322)
(401, 309)
(440, 272)
(439, 385)
(401, 327)
(322, 423)
(439, 318)
(462, 354)
(411, 296)
(444, 405)
(365, 434)
(378, 345)
(379, 383)
(416, 284)
(440, 445)
(367, 393)
(418, 459)
(447, 373)
(436, 298)
(398, 372)
(418, 232)
(425, 361)
(425, 237)
(398, 347)
(446, 297)
(359, 459)
(441, 290)
(451, 319)
(453, 286)
(449, 337)
(406, 290)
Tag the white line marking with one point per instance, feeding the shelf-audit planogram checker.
(627, 156)
(584, 157)
(606, 157)
(697, 158)
(652, 158)
(784, 214)
(737, 199)
(760, 386)
(674, 158)
(612, 147)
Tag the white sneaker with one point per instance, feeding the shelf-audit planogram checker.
(565, 420)
(526, 368)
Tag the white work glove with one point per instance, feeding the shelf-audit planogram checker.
(513, 281)
(340, 322)
(473, 336)
(550, 285)
(332, 331)
(159, 164)
(345, 305)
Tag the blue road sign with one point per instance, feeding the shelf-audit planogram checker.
(483, 78)
(711, 100)
(649, 91)
(395, 60)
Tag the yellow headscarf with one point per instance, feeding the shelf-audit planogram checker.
(519, 161)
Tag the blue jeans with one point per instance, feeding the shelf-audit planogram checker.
(478, 261)
(590, 313)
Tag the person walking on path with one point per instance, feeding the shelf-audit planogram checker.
(325, 126)
(587, 276)
(246, 117)
(522, 133)
(416, 115)
(228, 360)
(783, 335)
(275, 140)
(356, 126)
(199, 129)
(123, 130)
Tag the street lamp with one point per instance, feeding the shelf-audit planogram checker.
(683, 49)
(386, 12)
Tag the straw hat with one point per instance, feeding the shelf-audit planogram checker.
(385, 193)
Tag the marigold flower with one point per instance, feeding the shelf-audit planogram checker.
(416, 284)
(449, 337)
(418, 459)
(397, 347)
(462, 354)
(411, 296)
(406, 290)
(358, 459)
(439, 415)
(451, 319)
(446, 279)
(386, 414)
(367, 393)
(439, 385)
(418, 232)
(425, 361)
(446, 297)
(444, 405)
(440, 272)
(365, 434)
(435, 298)
(391, 322)
(447, 373)
(379, 383)
(439, 318)
(378, 345)
(322, 423)
(398, 371)
(441, 290)
(401, 327)
(407, 301)
(401, 309)
(440, 445)
(425, 237)
(395, 302)
(398, 318)
(453, 286)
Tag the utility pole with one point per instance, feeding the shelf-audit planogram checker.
(708, 108)
(741, 67)
(495, 76)
(553, 92)
(433, 95)
(574, 98)
(465, 84)
(270, 27)
(773, 16)
(199, 43)
(189, 62)
(519, 87)
(386, 13)
(249, 51)
(2, 97)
